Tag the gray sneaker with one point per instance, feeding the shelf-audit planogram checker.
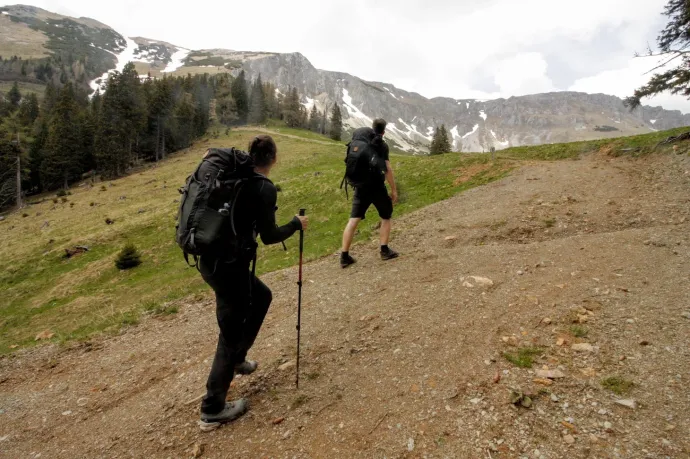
(232, 411)
(246, 368)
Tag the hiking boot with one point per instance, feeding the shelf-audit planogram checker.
(346, 260)
(232, 411)
(246, 368)
(389, 254)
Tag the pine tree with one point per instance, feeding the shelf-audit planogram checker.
(36, 153)
(60, 163)
(323, 123)
(239, 94)
(291, 110)
(160, 110)
(314, 119)
(257, 110)
(336, 132)
(14, 96)
(674, 40)
(444, 142)
(13, 127)
(226, 110)
(29, 110)
(271, 101)
(184, 119)
(128, 257)
(49, 99)
(434, 148)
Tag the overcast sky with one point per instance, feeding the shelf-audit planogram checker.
(453, 48)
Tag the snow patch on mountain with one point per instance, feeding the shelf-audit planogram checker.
(412, 131)
(309, 104)
(391, 93)
(123, 57)
(177, 60)
(430, 131)
(356, 119)
(474, 129)
(457, 139)
(652, 121)
(482, 115)
(501, 143)
(354, 112)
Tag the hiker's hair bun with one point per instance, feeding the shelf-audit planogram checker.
(263, 150)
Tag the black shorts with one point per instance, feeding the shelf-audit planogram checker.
(365, 197)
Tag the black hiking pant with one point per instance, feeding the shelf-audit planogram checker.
(242, 302)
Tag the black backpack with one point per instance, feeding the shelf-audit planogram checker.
(206, 217)
(363, 165)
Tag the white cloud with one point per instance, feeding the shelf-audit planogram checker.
(525, 73)
(623, 81)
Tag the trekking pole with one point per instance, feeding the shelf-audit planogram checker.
(299, 295)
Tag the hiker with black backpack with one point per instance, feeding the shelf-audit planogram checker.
(367, 168)
(226, 204)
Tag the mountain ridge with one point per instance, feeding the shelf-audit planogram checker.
(474, 125)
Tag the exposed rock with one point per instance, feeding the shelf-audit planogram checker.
(550, 374)
(287, 365)
(583, 347)
(629, 403)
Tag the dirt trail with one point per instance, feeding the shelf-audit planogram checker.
(405, 358)
(276, 132)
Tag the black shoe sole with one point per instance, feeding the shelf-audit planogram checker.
(389, 257)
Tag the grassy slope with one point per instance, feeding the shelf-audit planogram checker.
(77, 297)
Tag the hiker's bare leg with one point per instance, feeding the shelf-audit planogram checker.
(385, 232)
(349, 233)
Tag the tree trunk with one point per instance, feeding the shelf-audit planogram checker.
(163, 141)
(19, 177)
(158, 137)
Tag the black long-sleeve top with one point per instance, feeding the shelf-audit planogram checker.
(256, 210)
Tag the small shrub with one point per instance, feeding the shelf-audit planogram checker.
(550, 222)
(61, 193)
(579, 332)
(128, 258)
(109, 221)
(103, 188)
(92, 204)
(25, 215)
(55, 200)
(160, 310)
(279, 188)
(71, 204)
(524, 357)
(617, 385)
(64, 199)
(129, 319)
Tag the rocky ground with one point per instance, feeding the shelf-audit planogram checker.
(514, 315)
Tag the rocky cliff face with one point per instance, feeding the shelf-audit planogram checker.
(474, 125)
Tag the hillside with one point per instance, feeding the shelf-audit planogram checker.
(91, 48)
(565, 281)
(86, 294)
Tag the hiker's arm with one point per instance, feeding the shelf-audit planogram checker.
(266, 225)
(390, 178)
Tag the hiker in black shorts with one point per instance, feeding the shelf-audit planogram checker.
(374, 192)
(242, 300)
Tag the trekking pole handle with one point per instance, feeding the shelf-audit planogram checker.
(302, 212)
